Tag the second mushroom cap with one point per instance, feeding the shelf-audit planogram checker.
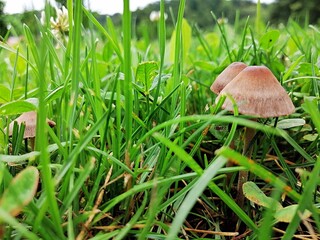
(30, 120)
(226, 76)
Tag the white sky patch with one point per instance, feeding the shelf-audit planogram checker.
(19, 6)
(115, 6)
(100, 6)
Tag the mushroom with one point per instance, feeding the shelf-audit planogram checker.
(30, 121)
(258, 93)
(226, 76)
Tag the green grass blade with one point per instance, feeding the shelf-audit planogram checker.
(230, 119)
(305, 202)
(162, 47)
(14, 74)
(291, 177)
(104, 32)
(15, 223)
(196, 168)
(242, 46)
(224, 37)
(203, 43)
(32, 44)
(126, 26)
(75, 75)
(139, 188)
(311, 107)
(258, 170)
(178, 62)
(194, 194)
(82, 144)
(78, 184)
(184, 156)
(133, 220)
(259, 26)
(41, 133)
(266, 228)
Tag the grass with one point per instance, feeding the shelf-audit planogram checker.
(139, 149)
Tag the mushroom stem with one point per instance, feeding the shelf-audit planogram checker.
(248, 136)
(243, 175)
(32, 143)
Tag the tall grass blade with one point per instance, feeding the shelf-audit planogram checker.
(41, 133)
(75, 75)
(194, 194)
(162, 47)
(105, 33)
(178, 61)
(224, 37)
(305, 202)
(126, 26)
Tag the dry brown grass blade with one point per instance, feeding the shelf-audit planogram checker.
(312, 232)
(94, 211)
(303, 237)
(227, 234)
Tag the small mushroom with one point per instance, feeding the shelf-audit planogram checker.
(30, 121)
(257, 92)
(226, 76)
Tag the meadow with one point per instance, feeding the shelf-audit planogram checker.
(138, 145)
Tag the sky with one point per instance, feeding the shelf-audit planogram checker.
(100, 6)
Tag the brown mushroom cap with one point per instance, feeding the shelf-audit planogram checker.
(30, 120)
(226, 76)
(257, 92)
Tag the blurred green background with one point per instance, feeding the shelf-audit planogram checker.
(198, 12)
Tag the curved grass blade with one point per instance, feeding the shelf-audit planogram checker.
(258, 170)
